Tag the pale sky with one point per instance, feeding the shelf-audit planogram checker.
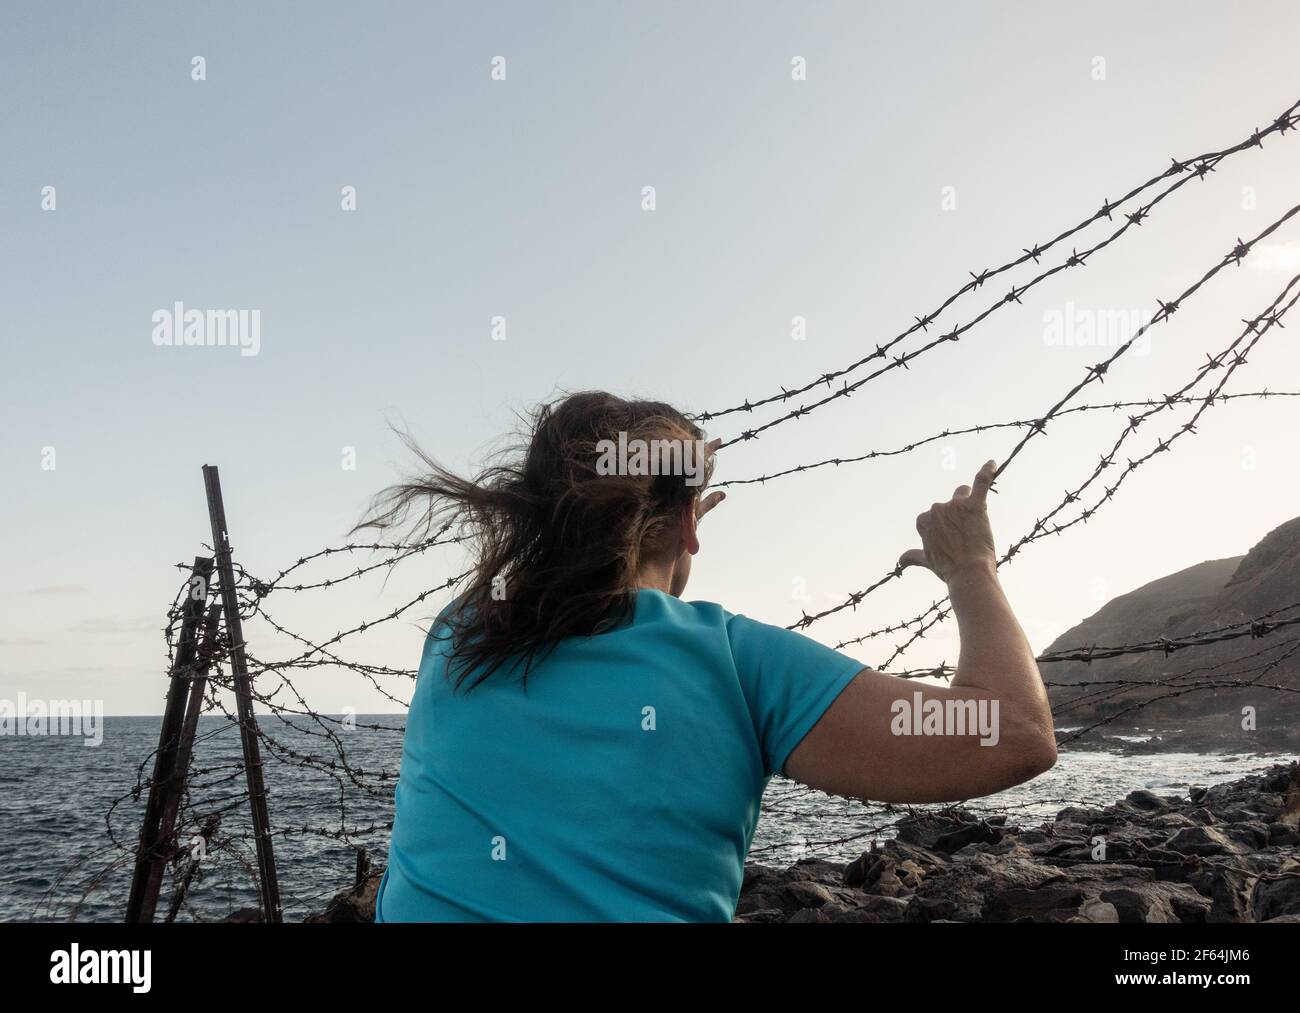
(522, 198)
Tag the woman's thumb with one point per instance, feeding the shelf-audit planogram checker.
(913, 557)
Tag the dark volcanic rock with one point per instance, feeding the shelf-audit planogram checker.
(1055, 902)
(1202, 841)
(1230, 853)
(949, 831)
(1278, 898)
(1145, 800)
(355, 905)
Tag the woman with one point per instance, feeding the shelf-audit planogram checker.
(583, 745)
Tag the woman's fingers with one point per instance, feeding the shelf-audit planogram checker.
(956, 530)
(708, 503)
(713, 498)
(984, 480)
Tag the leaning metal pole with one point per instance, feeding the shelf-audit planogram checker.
(267, 883)
(168, 782)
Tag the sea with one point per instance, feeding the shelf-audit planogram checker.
(69, 817)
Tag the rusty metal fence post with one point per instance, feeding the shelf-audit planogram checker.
(168, 782)
(268, 884)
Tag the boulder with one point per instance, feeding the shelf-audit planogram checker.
(355, 905)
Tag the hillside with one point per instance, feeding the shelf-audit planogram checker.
(1192, 698)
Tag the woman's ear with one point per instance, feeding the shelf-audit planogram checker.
(686, 520)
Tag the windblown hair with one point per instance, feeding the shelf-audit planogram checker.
(558, 542)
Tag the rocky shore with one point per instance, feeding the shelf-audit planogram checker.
(1229, 853)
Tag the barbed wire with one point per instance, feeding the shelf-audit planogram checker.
(908, 448)
(402, 552)
(204, 810)
(1255, 628)
(1256, 327)
(1095, 691)
(1173, 688)
(212, 840)
(1096, 374)
(1186, 170)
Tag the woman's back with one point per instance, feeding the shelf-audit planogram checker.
(621, 783)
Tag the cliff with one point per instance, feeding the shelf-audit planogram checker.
(1193, 698)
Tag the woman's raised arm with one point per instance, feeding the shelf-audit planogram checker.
(895, 740)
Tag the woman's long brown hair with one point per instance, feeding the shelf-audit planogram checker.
(557, 545)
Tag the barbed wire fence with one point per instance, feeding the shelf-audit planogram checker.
(333, 788)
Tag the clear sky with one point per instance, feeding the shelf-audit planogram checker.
(522, 198)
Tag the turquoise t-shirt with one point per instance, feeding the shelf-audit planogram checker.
(621, 784)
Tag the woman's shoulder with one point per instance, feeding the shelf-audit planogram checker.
(701, 614)
(651, 602)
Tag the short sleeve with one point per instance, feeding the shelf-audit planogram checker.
(788, 680)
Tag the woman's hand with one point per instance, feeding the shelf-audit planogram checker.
(956, 535)
(706, 503)
(856, 748)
